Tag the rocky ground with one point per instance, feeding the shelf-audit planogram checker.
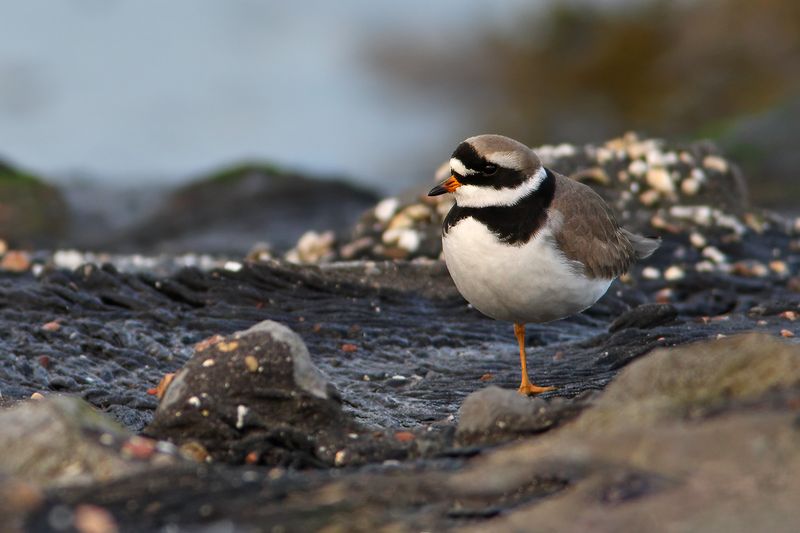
(367, 395)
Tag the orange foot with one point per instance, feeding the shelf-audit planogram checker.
(529, 389)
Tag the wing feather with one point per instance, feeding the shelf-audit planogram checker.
(589, 234)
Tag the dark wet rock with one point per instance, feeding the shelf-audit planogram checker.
(645, 316)
(419, 349)
(235, 208)
(62, 440)
(404, 351)
(640, 455)
(256, 396)
(494, 415)
(32, 212)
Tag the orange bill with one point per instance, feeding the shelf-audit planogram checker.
(448, 185)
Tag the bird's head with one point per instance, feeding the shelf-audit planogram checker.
(491, 170)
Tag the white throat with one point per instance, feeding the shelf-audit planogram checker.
(475, 196)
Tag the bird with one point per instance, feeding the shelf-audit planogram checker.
(525, 244)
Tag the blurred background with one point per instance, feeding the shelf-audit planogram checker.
(126, 124)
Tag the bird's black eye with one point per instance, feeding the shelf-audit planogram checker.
(489, 169)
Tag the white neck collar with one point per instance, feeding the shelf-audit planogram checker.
(475, 196)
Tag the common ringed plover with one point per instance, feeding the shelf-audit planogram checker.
(526, 244)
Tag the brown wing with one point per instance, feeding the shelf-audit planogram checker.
(589, 233)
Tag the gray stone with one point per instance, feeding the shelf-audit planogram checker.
(494, 414)
(62, 440)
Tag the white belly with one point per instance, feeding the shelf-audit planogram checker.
(533, 282)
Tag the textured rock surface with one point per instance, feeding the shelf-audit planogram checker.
(63, 441)
(496, 415)
(396, 339)
(699, 438)
(729, 468)
(404, 351)
(256, 396)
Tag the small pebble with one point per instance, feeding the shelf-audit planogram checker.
(208, 362)
(704, 266)
(404, 436)
(223, 347)
(68, 259)
(751, 269)
(659, 179)
(649, 197)
(697, 240)
(139, 447)
(409, 240)
(417, 212)
(205, 343)
(241, 412)
(15, 261)
(651, 273)
(251, 458)
(162, 386)
(603, 155)
(779, 267)
(386, 208)
(713, 253)
(349, 347)
(637, 167)
(400, 221)
(251, 363)
(53, 325)
(37, 396)
(340, 458)
(664, 295)
(232, 266)
(690, 187)
(715, 162)
(674, 273)
(195, 451)
(94, 519)
(786, 333)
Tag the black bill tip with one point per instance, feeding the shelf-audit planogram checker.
(438, 190)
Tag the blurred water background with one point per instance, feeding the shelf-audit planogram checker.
(117, 100)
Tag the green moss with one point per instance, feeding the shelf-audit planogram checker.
(12, 176)
(32, 212)
(235, 172)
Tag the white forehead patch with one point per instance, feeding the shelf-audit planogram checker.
(511, 160)
(459, 168)
(477, 196)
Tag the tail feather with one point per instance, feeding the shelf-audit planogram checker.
(642, 246)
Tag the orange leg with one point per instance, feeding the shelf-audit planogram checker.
(526, 387)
